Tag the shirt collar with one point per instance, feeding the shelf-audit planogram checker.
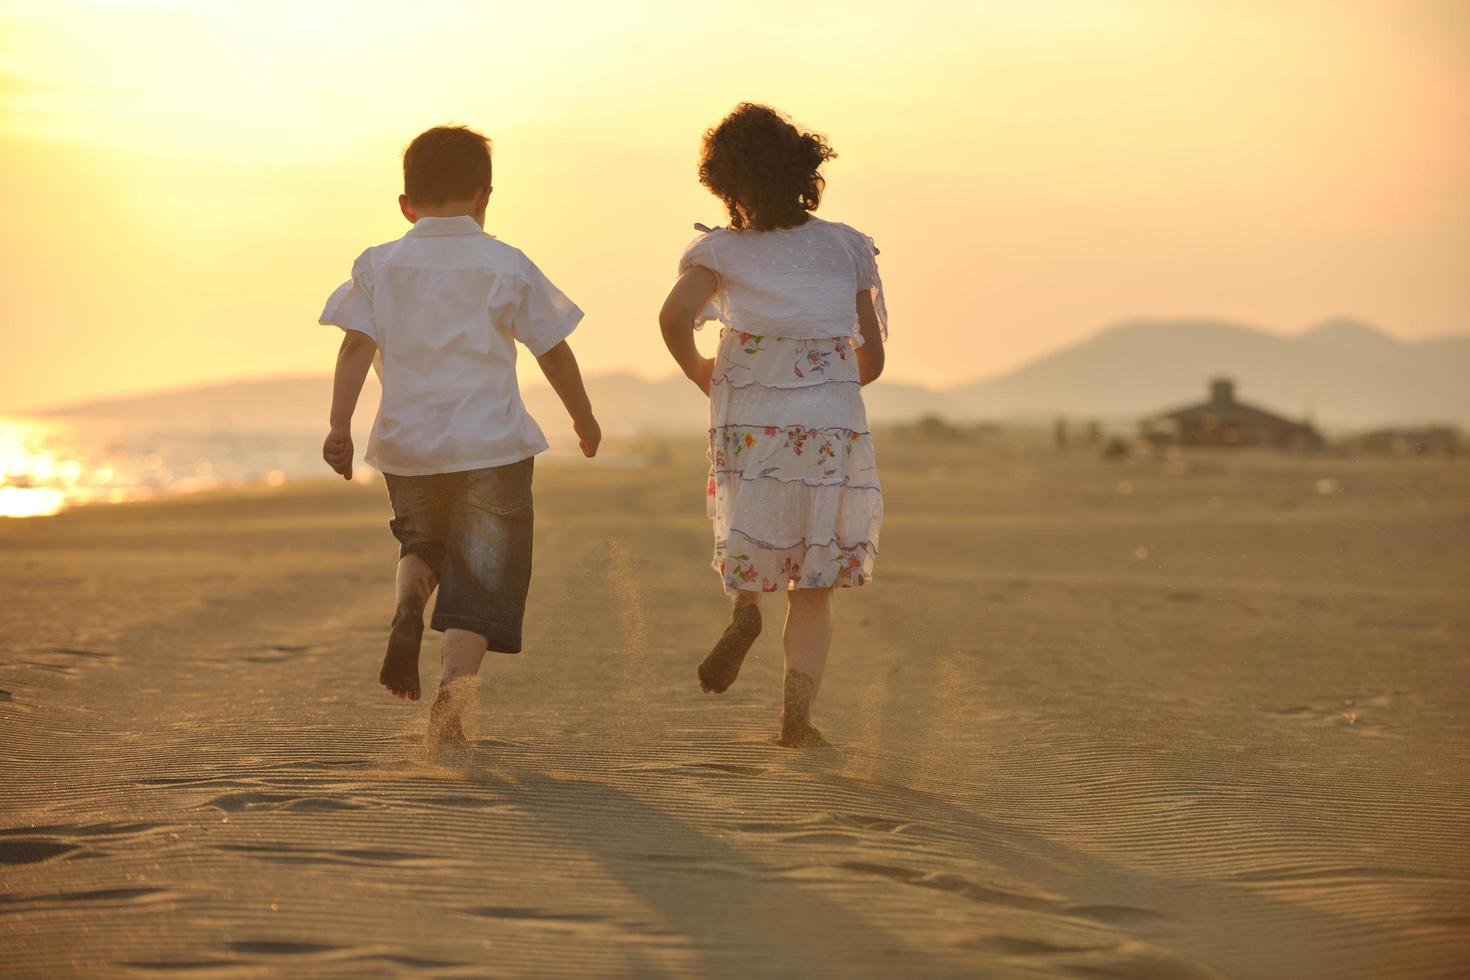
(459, 224)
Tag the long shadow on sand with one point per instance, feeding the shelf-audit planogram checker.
(742, 916)
(1193, 925)
(728, 904)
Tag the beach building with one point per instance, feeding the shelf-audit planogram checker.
(1222, 420)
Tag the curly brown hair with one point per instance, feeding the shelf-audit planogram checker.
(765, 169)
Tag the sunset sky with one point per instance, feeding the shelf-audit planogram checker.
(185, 182)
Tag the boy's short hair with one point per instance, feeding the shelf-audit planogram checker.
(446, 163)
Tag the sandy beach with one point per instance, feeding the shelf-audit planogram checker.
(1192, 718)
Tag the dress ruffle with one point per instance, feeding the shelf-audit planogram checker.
(793, 485)
(747, 566)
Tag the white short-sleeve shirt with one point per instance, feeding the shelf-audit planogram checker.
(797, 282)
(445, 304)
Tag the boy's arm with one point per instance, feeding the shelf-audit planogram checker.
(676, 321)
(560, 367)
(870, 355)
(354, 358)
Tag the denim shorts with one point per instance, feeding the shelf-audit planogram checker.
(474, 530)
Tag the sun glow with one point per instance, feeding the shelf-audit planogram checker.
(1032, 170)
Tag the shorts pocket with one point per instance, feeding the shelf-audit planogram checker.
(501, 490)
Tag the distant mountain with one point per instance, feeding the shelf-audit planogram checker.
(259, 403)
(1342, 373)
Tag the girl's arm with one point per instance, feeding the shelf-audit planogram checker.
(870, 355)
(676, 320)
(354, 358)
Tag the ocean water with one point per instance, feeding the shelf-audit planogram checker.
(48, 465)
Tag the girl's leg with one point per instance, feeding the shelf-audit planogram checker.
(462, 653)
(413, 585)
(807, 639)
(722, 666)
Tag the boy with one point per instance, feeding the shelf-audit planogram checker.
(437, 313)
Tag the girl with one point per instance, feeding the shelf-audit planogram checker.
(793, 483)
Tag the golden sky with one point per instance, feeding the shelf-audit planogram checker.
(184, 181)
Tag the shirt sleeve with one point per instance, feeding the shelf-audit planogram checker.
(351, 305)
(545, 316)
(865, 255)
(701, 253)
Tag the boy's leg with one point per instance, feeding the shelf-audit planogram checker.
(487, 574)
(413, 586)
(807, 638)
(419, 524)
(722, 666)
(462, 652)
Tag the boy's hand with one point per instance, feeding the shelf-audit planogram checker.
(589, 436)
(337, 451)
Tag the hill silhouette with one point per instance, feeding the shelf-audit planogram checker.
(1343, 373)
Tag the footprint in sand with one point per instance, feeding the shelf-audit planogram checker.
(280, 947)
(834, 838)
(31, 845)
(969, 888)
(34, 850)
(697, 769)
(350, 857)
(530, 915)
(161, 966)
(954, 883)
(259, 800)
(86, 654)
(1354, 713)
(724, 768)
(833, 828)
(279, 653)
(63, 660)
(293, 949)
(1018, 946)
(1112, 914)
(1122, 959)
(18, 904)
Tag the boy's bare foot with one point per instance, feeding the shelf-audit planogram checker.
(802, 737)
(400, 673)
(797, 731)
(722, 666)
(446, 715)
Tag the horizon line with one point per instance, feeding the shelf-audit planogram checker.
(72, 405)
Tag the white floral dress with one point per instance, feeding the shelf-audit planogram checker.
(793, 482)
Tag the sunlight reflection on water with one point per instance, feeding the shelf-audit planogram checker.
(47, 465)
(50, 464)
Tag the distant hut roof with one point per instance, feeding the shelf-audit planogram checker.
(1224, 411)
(1224, 407)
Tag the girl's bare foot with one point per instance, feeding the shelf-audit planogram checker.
(400, 673)
(722, 666)
(797, 731)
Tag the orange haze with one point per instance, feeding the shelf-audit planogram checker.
(184, 182)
